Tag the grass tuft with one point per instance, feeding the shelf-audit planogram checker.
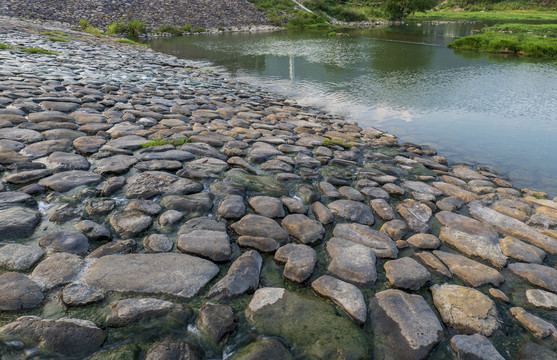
(161, 141)
(37, 51)
(337, 142)
(131, 42)
(57, 39)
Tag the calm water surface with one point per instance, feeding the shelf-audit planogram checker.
(482, 109)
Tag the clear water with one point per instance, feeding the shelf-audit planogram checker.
(493, 110)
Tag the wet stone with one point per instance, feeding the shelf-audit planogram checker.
(322, 213)
(260, 226)
(170, 350)
(18, 292)
(100, 206)
(130, 223)
(382, 209)
(242, 277)
(352, 211)
(267, 206)
(216, 321)
(424, 241)
(466, 310)
(172, 274)
(128, 311)
(66, 336)
(26, 177)
(345, 295)
(93, 231)
(18, 257)
(119, 247)
(406, 273)
(381, 244)
(396, 229)
(416, 214)
(294, 206)
(520, 251)
(115, 165)
(539, 275)
(433, 263)
(202, 223)
(151, 183)
(263, 349)
(474, 347)
(158, 243)
(58, 269)
(68, 180)
(65, 241)
(539, 327)
(328, 190)
(472, 272)
(541, 299)
(405, 324)
(147, 207)
(88, 144)
(302, 228)
(299, 261)
(79, 294)
(213, 245)
(18, 222)
(351, 261)
(191, 205)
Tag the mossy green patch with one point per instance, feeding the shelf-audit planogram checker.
(38, 51)
(337, 142)
(131, 42)
(487, 15)
(161, 141)
(57, 39)
(312, 326)
(257, 184)
(125, 352)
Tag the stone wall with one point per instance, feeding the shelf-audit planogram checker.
(204, 13)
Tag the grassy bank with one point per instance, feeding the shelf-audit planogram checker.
(507, 15)
(520, 39)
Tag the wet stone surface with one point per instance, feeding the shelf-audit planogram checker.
(252, 239)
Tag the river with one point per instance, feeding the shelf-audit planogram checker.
(493, 110)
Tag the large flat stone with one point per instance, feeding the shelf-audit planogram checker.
(177, 275)
(65, 181)
(405, 325)
(472, 272)
(382, 245)
(480, 246)
(539, 275)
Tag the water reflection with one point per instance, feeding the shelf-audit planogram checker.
(495, 110)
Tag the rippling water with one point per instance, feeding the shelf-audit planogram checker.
(486, 109)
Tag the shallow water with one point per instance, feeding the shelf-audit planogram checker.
(493, 110)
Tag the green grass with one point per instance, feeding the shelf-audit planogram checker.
(161, 141)
(545, 29)
(37, 51)
(130, 42)
(175, 30)
(27, 50)
(337, 142)
(55, 33)
(508, 16)
(499, 5)
(57, 39)
(522, 44)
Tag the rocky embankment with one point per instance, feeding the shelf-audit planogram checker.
(252, 240)
(100, 13)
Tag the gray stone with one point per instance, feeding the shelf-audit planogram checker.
(130, 223)
(404, 324)
(261, 244)
(352, 211)
(424, 241)
(116, 247)
(421, 187)
(520, 251)
(267, 206)
(170, 217)
(211, 165)
(302, 228)
(345, 295)
(539, 275)
(171, 274)
(25, 177)
(466, 310)
(18, 222)
(406, 273)
(216, 321)
(322, 213)
(539, 327)
(70, 337)
(472, 272)
(294, 206)
(382, 209)
(17, 257)
(158, 243)
(474, 245)
(213, 245)
(151, 183)
(474, 347)
(533, 351)
(202, 223)
(381, 244)
(260, 226)
(351, 261)
(128, 311)
(79, 294)
(434, 263)
(115, 165)
(18, 292)
(232, 207)
(299, 261)
(88, 144)
(541, 299)
(57, 269)
(263, 349)
(65, 241)
(44, 148)
(172, 350)
(24, 135)
(395, 229)
(328, 190)
(192, 205)
(93, 231)
(147, 207)
(416, 214)
(68, 180)
(242, 277)
(129, 142)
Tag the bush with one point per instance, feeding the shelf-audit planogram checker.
(136, 28)
(117, 28)
(400, 9)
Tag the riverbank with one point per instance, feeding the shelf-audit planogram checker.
(249, 229)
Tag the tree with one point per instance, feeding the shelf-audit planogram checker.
(400, 9)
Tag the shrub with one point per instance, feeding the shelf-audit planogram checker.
(136, 28)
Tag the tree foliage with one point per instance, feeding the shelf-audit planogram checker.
(400, 9)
